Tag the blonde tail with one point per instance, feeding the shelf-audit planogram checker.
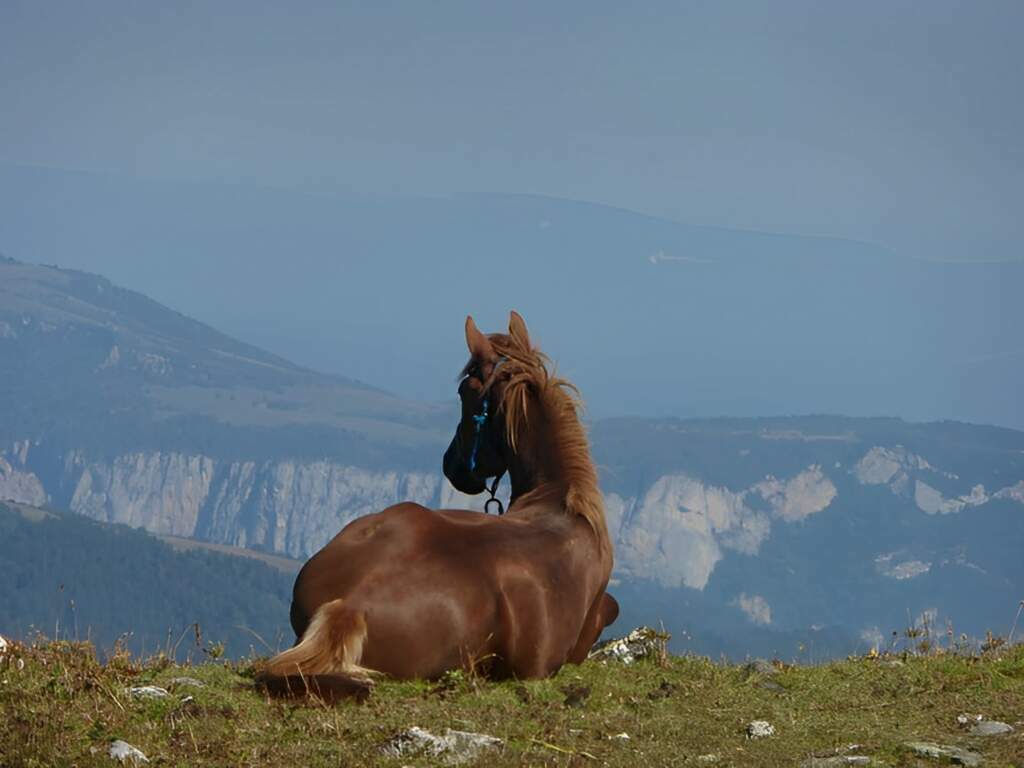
(325, 662)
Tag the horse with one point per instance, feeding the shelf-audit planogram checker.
(411, 592)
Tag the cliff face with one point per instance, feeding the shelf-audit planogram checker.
(775, 548)
(287, 506)
(675, 530)
(284, 506)
(17, 481)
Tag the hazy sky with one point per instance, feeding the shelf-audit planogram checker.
(893, 122)
(204, 125)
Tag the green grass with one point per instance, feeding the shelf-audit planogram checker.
(64, 708)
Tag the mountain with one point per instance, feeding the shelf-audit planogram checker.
(647, 316)
(94, 359)
(743, 535)
(767, 535)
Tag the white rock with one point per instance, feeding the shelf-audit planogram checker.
(835, 761)
(148, 692)
(454, 747)
(760, 729)
(955, 755)
(641, 643)
(965, 719)
(3, 646)
(126, 753)
(619, 737)
(990, 728)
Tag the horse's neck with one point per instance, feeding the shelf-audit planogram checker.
(542, 470)
(552, 474)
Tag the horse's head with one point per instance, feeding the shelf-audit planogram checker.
(479, 448)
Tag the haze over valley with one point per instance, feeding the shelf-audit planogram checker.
(742, 535)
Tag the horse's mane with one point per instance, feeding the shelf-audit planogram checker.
(528, 371)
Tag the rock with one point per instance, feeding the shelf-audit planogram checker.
(641, 643)
(148, 692)
(575, 695)
(619, 737)
(3, 646)
(126, 753)
(454, 747)
(964, 719)
(835, 761)
(760, 729)
(990, 728)
(179, 682)
(771, 685)
(759, 667)
(956, 755)
(663, 691)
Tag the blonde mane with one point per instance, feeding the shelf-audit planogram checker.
(528, 373)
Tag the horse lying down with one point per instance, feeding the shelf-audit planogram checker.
(410, 592)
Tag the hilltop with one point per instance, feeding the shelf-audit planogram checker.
(61, 707)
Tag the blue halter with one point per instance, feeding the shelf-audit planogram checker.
(478, 424)
(479, 420)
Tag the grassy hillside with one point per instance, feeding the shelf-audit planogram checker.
(69, 576)
(61, 707)
(97, 366)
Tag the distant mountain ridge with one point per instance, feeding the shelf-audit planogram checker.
(97, 356)
(733, 322)
(767, 529)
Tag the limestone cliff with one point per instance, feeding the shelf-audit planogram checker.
(674, 531)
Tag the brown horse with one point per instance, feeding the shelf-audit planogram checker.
(410, 592)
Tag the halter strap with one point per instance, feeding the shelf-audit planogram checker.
(478, 424)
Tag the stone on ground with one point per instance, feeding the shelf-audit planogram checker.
(955, 755)
(148, 692)
(760, 729)
(990, 728)
(641, 643)
(835, 761)
(126, 753)
(454, 747)
(759, 667)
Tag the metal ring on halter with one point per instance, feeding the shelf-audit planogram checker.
(494, 499)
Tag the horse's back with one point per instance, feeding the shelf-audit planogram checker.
(454, 577)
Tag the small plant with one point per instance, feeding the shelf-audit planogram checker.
(992, 642)
(214, 650)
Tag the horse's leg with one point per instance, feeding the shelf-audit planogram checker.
(603, 612)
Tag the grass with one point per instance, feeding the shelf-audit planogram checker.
(60, 707)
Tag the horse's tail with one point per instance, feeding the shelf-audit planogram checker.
(325, 661)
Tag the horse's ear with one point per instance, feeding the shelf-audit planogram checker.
(479, 345)
(517, 329)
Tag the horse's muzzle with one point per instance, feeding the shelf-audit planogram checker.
(458, 473)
